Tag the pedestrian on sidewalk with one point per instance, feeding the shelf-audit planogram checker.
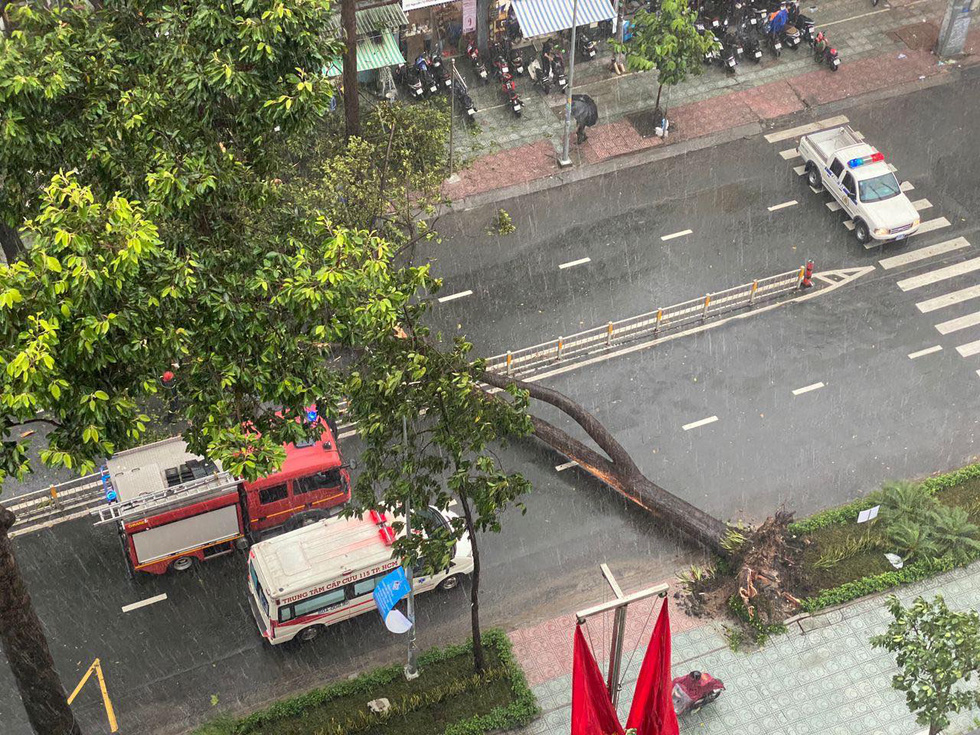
(619, 63)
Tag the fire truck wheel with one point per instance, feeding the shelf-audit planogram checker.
(449, 583)
(183, 564)
(308, 634)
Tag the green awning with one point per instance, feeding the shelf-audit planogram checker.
(389, 16)
(372, 55)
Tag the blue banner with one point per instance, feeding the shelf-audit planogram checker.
(391, 589)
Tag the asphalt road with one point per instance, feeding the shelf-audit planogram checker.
(879, 413)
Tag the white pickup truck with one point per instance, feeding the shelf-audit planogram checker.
(858, 177)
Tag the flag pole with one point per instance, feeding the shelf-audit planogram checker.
(411, 667)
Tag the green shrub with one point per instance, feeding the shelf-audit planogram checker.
(905, 501)
(761, 629)
(955, 534)
(912, 539)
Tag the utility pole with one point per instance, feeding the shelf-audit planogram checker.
(956, 24)
(452, 110)
(411, 667)
(619, 605)
(565, 161)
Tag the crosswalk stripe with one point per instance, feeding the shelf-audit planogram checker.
(906, 186)
(933, 224)
(963, 322)
(849, 224)
(799, 170)
(926, 351)
(940, 274)
(789, 154)
(833, 206)
(923, 253)
(921, 204)
(969, 349)
(805, 129)
(949, 299)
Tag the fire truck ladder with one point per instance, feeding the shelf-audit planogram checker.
(146, 503)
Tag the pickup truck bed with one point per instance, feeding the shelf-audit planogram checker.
(826, 143)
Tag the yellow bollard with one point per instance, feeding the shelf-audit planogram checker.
(609, 333)
(660, 316)
(561, 343)
(755, 287)
(707, 303)
(510, 359)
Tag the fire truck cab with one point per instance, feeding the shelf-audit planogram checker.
(174, 509)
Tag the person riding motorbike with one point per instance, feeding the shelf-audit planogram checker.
(820, 44)
(693, 689)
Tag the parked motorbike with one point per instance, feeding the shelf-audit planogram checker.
(425, 76)
(753, 50)
(464, 101)
(558, 71)
(542, 80)
(473, 54)
(807, 29)
(775, 43)
(440, 73)
(587, 43)
(516, 60)
(501, 67)
(727, 55)
(691, 692)
(734, 40)
(510, 92)
(408, 77)
(792, 36)
(830, 58)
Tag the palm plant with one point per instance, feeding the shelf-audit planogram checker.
(905, 501)
(913, 540)
(955, 534)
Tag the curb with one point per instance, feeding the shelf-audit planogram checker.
(641, 157)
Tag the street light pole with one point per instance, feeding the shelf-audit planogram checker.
(411, 667)
(565, 160)
(452, 110)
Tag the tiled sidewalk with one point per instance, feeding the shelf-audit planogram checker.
(881, 49)
(827, 680)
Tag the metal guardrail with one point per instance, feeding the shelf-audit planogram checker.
(661, 321)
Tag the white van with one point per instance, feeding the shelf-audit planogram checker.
(305, 580)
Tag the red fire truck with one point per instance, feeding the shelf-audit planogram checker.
(174, 509)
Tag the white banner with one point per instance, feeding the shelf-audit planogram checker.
(469, 16)
(408, 5)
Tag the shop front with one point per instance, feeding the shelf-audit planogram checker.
(378, 50)
(436, 26)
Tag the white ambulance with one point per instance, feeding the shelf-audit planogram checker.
(305, 580)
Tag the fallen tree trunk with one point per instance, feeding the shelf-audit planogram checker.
(618, 471)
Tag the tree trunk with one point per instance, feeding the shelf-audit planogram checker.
(479, 660)
(934, 729)
(352, 112)
(619, 471)
(657, 106)
(483, 29)
(11, 242)
(26, 647)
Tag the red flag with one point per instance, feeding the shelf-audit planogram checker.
(592, 711)
(652, 711)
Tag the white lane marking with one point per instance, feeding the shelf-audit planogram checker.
(799, 170)
(702, 422)
(969, 349)
(940, 274)
(347, 434)
(815, 190)
(921, 204)
(804, 129)
(790, 203)
(923, 253)
(144, 603)
(563, 467)
(833, 206)
(859, 135)
(949, 299)
(849, 224)
(682, 233)
(807, 389)
(906, 186)
(963, 322)
(454, 296)
(789, 154)
(927, 351)
(933, 224)
(573, 263)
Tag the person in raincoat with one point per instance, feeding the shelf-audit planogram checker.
(586, 114)
(777, 21)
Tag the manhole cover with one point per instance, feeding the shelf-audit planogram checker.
(918, 36)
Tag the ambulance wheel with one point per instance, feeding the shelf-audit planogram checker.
(813, 176)
(861, 232)
(183, 564)
(449, 583)
(308, 634)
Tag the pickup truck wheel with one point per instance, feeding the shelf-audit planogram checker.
(861, 232)
(813, 176)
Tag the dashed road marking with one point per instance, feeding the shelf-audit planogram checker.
(921, 204)
(923, 353)
(923, 253)
(563, 467)
(963, 322)
(805, 129)
(949, 299)
(789, 154)
(790, 203)
(573, 263)
(940, 274)
(144, 603)
(906, 186)
(455, 296)
(702, 422)
(807, 389)
(969, 349)
(682, 233)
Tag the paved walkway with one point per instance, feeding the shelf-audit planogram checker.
(880, 48)
(827, 679)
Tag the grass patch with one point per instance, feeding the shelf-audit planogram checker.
(448, 697)
(862, 564)
(965, 496)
